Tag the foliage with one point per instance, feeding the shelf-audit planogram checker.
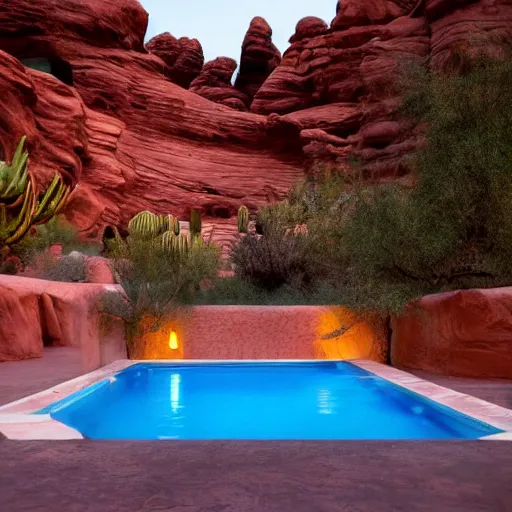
(454, 228)
(56, 231)
(237, 291)
(156, 281)
(67, 269)
(278, 257)
(20, 204)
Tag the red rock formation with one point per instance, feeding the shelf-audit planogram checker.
(338, 86)
(214, 83)
(467, 31)
(258, 59)
(131, 138)
(99, 271)
(348, 74)
(184, 57)
(350, 13)
(463, 333)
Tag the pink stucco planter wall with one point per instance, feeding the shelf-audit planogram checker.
(267, 332)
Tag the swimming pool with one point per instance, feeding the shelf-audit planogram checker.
(251, 401)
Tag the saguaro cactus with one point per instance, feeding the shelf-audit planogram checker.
(20, 205)
(174, 225)
(243, 219)
(195, 224)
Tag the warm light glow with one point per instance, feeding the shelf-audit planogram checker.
(173, 341)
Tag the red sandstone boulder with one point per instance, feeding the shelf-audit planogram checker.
(308, 27)
(436, 8)
(471, 30)
(258, 59)
(350, 13)
(20, 325)
(184, 57)
(214, 83)
(463, 333)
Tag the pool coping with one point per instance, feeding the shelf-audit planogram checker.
(17, 421)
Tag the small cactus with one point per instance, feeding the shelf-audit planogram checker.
(181, 245)
(195, 224)
(174, 225)
(243, 219)
(145, 224)
(168, 241)
(198, 242)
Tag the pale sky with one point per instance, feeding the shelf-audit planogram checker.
(220, 25)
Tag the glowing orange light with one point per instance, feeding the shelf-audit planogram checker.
(173, 341)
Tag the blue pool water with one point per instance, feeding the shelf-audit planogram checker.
(324, 400)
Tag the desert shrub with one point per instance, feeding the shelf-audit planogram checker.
(71, 268)
(56, 231)
(454, 228)
(156, 282)
(236, 291)
(9, 264)
(280, 255)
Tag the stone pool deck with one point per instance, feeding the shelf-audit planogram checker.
(349, 476)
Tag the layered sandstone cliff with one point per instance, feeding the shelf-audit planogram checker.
(117, 117)
(131, 138)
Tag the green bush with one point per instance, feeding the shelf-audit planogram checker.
(71, 268)
(56, 231)
(156, 281)
(280, 256)
(236, 291)
(454, 228)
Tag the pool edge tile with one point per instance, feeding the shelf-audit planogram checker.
(47, 429)
(37, 401)
(486, 412)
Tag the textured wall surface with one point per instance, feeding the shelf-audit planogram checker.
(463, 333)
(266, 332)
(114, 120)
(34, 312)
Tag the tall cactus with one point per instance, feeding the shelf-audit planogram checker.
(174, 225)
(195, 224)
(243, 219)
(168, 242)
(20, 205)
(181, 246)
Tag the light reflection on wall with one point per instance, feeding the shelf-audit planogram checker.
(175, 392)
